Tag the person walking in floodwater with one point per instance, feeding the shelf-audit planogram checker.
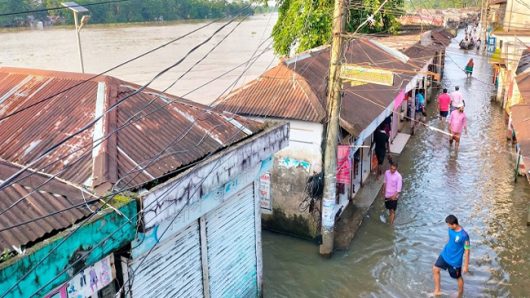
(392, 187)
(457, 124)
(457, 99)
(456, 249)
(444, 100)
(469, 67)
(420, 105)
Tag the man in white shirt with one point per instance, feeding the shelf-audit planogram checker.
(457, 99)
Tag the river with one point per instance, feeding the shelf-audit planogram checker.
(477, 185)
(107, 46)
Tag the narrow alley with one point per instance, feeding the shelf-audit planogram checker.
(476, 184)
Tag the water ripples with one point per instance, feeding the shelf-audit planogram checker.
(476, 184)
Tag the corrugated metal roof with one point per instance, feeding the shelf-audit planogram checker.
(297, 90)
(29, 221)
(129, 152)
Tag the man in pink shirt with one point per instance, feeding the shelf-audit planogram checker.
(444, 100)
(457, 123)
(392, 188)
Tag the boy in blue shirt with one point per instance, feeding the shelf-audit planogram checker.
(451, 257)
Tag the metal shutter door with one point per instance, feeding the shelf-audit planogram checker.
(172, 269)
(232, 247)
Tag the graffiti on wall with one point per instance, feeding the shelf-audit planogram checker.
(288, 162)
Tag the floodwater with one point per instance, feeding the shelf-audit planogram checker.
(477, 185)
(106, 46)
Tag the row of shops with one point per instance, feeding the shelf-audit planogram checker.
(295, 91)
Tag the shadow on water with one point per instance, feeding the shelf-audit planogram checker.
(475, 183)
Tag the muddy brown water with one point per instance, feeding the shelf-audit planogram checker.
(477, 185)
(105, 47)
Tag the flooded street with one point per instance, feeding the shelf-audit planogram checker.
(107, 46)
(477, 185)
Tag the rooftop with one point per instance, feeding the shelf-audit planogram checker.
(146, 136)
(296, 89)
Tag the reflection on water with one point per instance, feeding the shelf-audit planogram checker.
(476, 184)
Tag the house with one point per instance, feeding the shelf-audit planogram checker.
(519, 115)
(295, 90)
(508, 36)
(143, 180)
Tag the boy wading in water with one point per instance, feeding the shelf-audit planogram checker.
(392, 188)
(451, 257)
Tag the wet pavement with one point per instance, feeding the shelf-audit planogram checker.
(476, 184)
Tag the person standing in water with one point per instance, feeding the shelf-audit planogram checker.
(457, 124)
(444, 100)
(392, 188)
(457, 99)
(469, 67)
(450, 259)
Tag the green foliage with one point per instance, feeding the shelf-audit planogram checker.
(7, 6)
(305, 24)
(128, 11)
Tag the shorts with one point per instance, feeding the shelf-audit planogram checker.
(454, 272)
(444, 113)
(391, 204)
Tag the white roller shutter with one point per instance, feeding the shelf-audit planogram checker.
(172, 269)
(231, 241)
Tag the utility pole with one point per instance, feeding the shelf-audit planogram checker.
(332, 133)
(484, 25)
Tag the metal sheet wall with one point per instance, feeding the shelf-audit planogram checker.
(172, 269)
(231, 240)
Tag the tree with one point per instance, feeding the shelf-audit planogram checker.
(11, 6)
(305, 24)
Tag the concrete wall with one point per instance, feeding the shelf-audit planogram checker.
(291, 169)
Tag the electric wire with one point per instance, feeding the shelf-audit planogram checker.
(118, 66)
(134, 216)
(112, 107)
(127, 123)
(40, 262)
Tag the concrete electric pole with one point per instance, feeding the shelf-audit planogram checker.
(332, 133)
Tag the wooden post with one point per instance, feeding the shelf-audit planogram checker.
(330, 154)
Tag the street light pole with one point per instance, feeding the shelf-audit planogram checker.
(77, 30)
(77, 9)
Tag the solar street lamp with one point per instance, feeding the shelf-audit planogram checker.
(77, 10)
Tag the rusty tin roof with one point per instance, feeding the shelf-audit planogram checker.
(54, 206)
(147, 136)
(296, 88)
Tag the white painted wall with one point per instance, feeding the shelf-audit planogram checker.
(305, 139)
